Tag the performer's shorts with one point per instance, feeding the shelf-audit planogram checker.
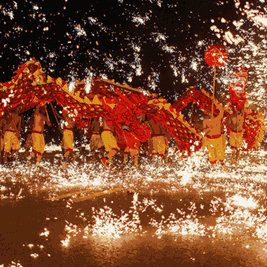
(38, 143)
(166, 144)
(131, 151)
(67, 141)
(216, 149)
(11, 140)
(96, 142)
(159, 145)
(224, 141)
(110, 142)
(236, 139)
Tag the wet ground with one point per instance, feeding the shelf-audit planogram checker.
(182, 214)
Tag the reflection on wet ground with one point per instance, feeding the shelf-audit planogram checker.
(180, 215)
(130, 230)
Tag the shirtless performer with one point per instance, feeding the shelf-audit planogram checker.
(159, 140)
(129, 151)
(28, 143)
(67, 141)
(38, 133)
(133, 151)
(212, 128)
(236, 133)
(96, 142)
(12, 133)
(109, 141)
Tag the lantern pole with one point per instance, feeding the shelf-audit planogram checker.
(192, 112)
(213, 90)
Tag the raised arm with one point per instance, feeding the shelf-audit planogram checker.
(218, 106)
(37, 109)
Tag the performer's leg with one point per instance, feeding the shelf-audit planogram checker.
(67, 154)
(126, 155)
(135, 160)
(220, 150)
(239, 143)
(5, 156)
(160, 159)
(161, 148)
(41, 147)
(31, 155)
(211, 149)
(134, 155)
(34, 146)
(237, 155)
(7, 148)
(39, 157)
(111, 154)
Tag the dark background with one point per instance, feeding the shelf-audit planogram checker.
(47, 30)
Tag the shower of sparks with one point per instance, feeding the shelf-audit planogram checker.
(244, 202)
(240, 213)
(244, 38)
(246, 44)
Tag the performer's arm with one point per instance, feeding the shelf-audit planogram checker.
(47, 118)
(206, 128)
(218, 106)
(37, 110)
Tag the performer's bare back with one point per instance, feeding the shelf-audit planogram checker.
(14, 123)
(39, 122)
(213, 126)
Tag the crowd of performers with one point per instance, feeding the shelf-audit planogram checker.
(104, 142)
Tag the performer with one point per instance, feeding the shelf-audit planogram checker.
(38, 132)
(28, 144)
(67, 141)
(12, 133)
(236, 132)
(2, 143)
(159, 140)
(129, 151)
(96, 142)
(109, 141)
(212, 128)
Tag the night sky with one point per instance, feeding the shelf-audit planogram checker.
(152, 44)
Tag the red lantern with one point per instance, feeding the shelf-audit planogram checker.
(216, 55)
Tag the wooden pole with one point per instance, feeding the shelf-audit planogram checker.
(213, 90)
(46, 113)
(192, 112)
(55, 115)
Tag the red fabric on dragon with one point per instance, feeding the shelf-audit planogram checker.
(199, 97)
(125, 114)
